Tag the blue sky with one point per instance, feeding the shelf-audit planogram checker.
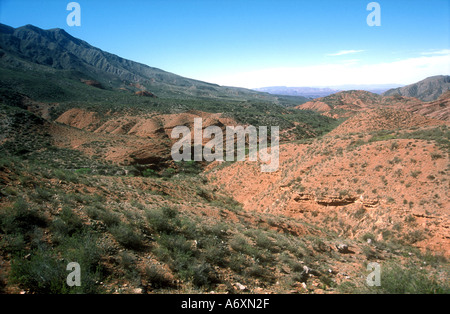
(257, 43)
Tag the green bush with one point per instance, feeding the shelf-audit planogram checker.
(414, 236)
(202, 275)
(66, 176)
(67, 223)
(42, 273)
(42, 195)
(215, 252)
(83, 249)
(14, 244)
(396, 279)
(128, 237)
(158, 277)
(149, 173)
(163, 220)
(21, 219)
(109, 218)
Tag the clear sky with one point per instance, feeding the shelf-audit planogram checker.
(258, 43)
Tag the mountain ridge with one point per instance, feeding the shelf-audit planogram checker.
(428, 89)
(31, 47)
(317, 92)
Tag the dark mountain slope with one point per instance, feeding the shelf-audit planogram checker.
(55, 51)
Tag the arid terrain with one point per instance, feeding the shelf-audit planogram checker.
(86, 176)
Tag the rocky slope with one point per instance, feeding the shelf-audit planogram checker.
(437, 109)
(347, 103)
(367, 176)
(384, 119)
(428, 89)
(128, 139)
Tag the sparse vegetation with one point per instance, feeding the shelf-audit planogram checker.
(408, 279)
(151, 225)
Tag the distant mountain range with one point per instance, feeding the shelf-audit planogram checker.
(428, 89)
(310, 92)
(316, 92)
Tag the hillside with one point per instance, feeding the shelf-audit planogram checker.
(57, 53)
(365, 177)
(438, 109)
(428, 89)
(383, 119)
(346, 104)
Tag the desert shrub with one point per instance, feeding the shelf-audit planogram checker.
(228, 203)
(65, 175)
(177, 252)
(14, 244)
(42, 194)
(84, 250)
(189, 167)
(410, 218)
(434, 259)
(203, 193)
(149, 173)
(188, 227)
(217, 230)
(264, 242)
(127, 261)
(414, 236)
(441, 135)
(394, 145)
(396, 279)
(415, 173)
(67, 223)
(177, 244)
(215, 252)
(83, 171)
(259, 272)
(435, 156)
(369, 252)
(169, 172)
(158, 277)
(368, 236)
(238, 262)
(360, 213)
(241, 245)
(109, 218)
(21, 219)
(42, 273)
(128, 237)
(94, 212)
(163, 220)
(202, 275)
